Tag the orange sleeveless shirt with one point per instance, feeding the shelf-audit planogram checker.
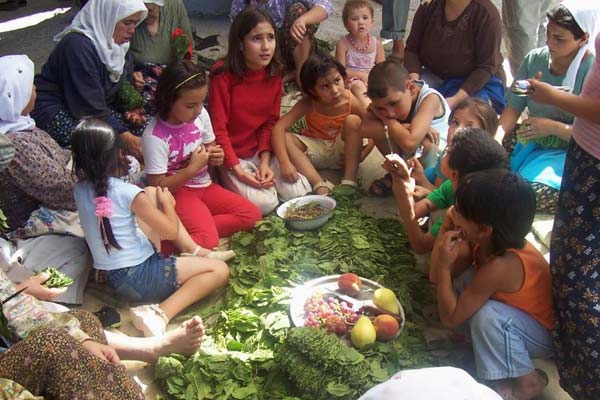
(325, 127)
(535, 296)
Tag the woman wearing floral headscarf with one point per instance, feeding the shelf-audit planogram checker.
(86, 70)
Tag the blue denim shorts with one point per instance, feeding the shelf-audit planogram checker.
(151, 281)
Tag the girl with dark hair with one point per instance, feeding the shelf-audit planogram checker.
(296, 22)
(325, 106)
(123, 245)
(179, 146)
(538, 145)
(244, 105)
(504, 285)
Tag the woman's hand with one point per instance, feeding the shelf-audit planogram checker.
(542, 92)
(246, 177)
(35, 287)
(288, 172)
(138, 80)
(216, 155)
(533, 128)
(101, 350)
(265, 175)
(298, 30)
(198, 158)
(133, 144)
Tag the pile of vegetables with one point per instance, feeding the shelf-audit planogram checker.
(57, 279)
(311, 210)
(249, 346)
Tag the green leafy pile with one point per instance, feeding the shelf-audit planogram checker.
(57, 279)
(128, 98)
(249, 324)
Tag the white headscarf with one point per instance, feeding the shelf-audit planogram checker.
(431, 384)
(587, 14)
(97, 20)
(16, 85)
(159, 3)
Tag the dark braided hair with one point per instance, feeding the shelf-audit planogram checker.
(97, 156)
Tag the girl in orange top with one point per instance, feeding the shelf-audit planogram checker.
(325, 106)
(504, 283)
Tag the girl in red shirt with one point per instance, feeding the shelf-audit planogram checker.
(244, 104)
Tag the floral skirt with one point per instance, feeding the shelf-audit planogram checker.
(287, 44)
(575, 264)
(50, 363)
(546, 197)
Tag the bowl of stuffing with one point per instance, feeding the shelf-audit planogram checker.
(308, 212)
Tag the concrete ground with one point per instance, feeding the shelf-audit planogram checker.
(17, 37)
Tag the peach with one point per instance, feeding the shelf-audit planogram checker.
(349, 284)
(386, 327)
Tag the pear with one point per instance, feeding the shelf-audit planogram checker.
(386, 300)
(363, 333)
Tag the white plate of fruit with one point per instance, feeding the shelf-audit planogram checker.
(348, 305)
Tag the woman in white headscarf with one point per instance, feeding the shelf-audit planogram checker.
(538, 145)
(36, 177)
(86, 70)
(153, 45)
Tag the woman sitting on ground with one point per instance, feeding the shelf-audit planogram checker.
(57, 355)
(454, 46)
(538, 145)
(87, 70)
(157, 42)
(37, 180)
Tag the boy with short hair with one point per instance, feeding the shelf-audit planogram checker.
(399, 120)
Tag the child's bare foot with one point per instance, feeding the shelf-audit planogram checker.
(212, 254)
(531, 385)
(185, 339)
(505, 388)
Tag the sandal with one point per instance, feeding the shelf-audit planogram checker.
(381, 187)
(323, 185)
(346, 187)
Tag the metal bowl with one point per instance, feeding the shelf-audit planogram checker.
(307, 224)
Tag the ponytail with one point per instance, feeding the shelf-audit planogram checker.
(97, 157)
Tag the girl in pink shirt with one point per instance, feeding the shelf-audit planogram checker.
(179, 146)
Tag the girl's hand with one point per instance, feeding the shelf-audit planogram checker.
(534, 127)
(133, 144)
(216, 155)
(35, 287)
(164, 197)
(265, 175)
(101, 350)
(138, 80)
(446, 249)
(288, 172)
(298, 30)
(198, 158)
(246, 177)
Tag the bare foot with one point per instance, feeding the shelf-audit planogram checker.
(531, 385)
(185, 339)
(504, 388)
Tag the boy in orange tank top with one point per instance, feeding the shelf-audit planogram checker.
(503, 291)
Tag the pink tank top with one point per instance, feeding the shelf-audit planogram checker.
(358, 60)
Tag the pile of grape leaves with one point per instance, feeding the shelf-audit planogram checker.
(249, 323)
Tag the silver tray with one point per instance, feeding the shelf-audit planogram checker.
(328, 286)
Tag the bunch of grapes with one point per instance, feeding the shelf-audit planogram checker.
(329, 313)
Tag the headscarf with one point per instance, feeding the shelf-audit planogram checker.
(587, 14)
(16, 85)
(159, 3)
(97, 20)
(446, 383)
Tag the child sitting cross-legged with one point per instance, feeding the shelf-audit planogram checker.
(359, 51)
(325, 106)
(492, 280)
(471, 150)
(404, 115)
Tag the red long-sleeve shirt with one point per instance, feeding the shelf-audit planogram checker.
(243, 112)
